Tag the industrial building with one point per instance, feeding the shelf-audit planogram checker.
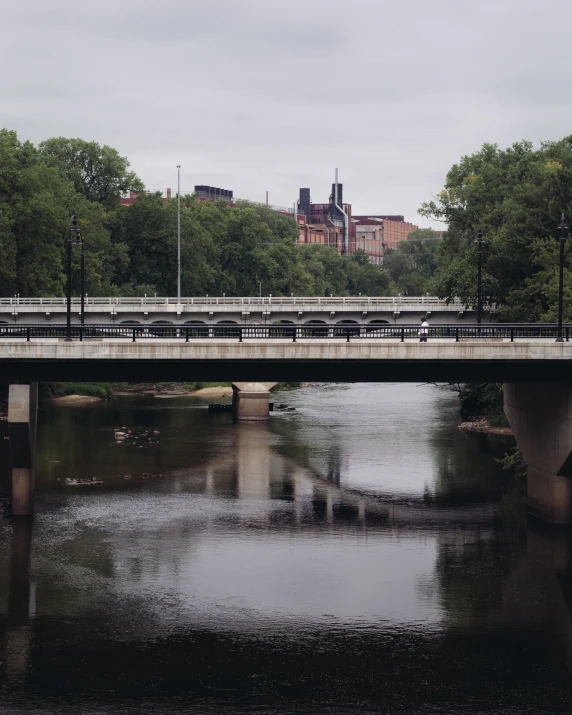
(333, 224)
(329, 224)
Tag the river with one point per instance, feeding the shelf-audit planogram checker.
(357, 554)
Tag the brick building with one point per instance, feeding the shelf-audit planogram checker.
(376, 234)
(325, 224)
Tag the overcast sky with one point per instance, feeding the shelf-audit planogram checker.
(256, 95)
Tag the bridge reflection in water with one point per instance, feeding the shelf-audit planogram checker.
(252, 576)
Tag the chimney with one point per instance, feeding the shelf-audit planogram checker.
(168, 193)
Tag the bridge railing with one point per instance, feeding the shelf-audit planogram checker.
(502, 331)
(155, 301)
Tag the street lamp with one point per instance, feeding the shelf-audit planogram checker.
(178, 234)
(74, 230)
(563, 231)
(479, 242)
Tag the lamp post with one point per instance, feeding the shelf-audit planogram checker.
(480, 242)
(563, 231)
(73, 229)
(178, 233)
(82, 280)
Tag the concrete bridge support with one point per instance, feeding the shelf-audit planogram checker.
(541, 418)
(250, 400)
(22, 420)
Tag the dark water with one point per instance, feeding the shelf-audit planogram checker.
(357, 555)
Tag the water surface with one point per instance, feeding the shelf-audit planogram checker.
(359, 554)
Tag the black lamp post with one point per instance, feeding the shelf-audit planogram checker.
(563, 231)
(74, 229)
(82, 280)
(480, 242)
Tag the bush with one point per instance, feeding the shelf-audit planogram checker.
(514, 462)
(481, 398)
(498, 421)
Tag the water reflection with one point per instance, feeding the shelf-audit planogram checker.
(18, 635)
(266, 571)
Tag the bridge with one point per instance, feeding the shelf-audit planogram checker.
(243, 311)
(533, 365)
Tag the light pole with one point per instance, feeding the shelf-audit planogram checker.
(73, 229)
(82, 278)
(178, 233)
(480, 242)
(563, 231)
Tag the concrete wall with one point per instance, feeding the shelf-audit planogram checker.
(541, 418)
(365, 360)
(22, 421)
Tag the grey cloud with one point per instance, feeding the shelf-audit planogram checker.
(274, 94)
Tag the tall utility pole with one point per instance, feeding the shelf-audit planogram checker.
(73, 230)
(178, 233)
(563, 231)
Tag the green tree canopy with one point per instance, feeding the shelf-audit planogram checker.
(514, 197)
(97, 172)
(132, 250)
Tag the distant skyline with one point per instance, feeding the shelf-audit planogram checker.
(253, 95)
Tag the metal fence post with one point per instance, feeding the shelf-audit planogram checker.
(240, 335)
(294, 335)
(27, 337)
(567, 335)
(402, 335)
(348, 335)
(456, 335)
(81, 333)
(187, 335)
(512, 335)
(133, 335)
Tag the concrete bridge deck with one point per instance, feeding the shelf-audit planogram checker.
(314, 359)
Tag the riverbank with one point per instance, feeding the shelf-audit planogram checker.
(222, 391)
(483, 425)
(75, 399)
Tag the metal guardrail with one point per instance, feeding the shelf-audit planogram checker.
(286, 332)
(251, 301)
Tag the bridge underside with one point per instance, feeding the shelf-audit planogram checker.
(299, 370)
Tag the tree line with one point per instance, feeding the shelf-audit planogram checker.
(242, 250)
(513, 196)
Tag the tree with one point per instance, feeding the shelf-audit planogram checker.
(422, 246)
(515, 197)
(36, 203)
(97, 172)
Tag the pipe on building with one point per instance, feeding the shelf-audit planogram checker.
(344, 214)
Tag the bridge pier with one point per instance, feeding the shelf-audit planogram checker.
(251, 400)
(22, 420)
(541, 418)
